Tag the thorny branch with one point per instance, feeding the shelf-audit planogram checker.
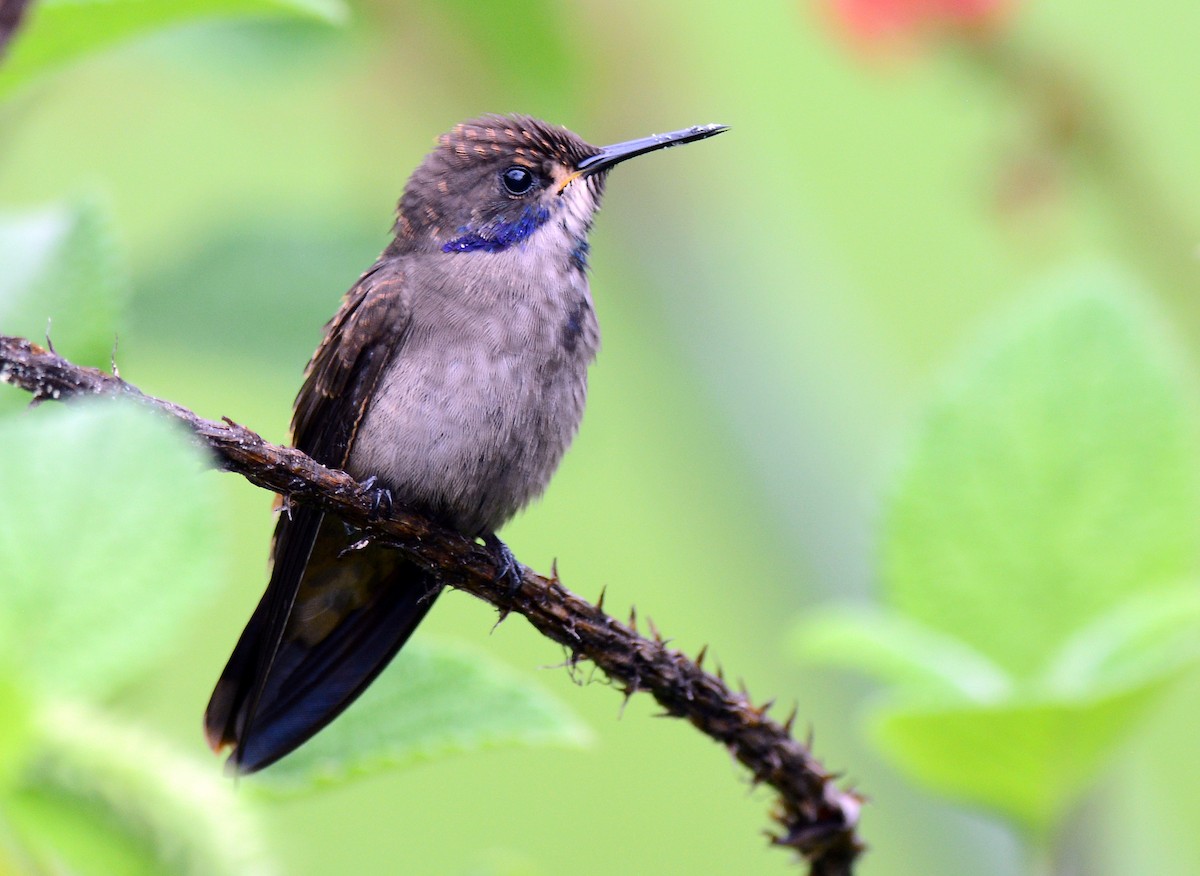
(816, 818)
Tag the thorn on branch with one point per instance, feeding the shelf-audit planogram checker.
(791, 719)
(654, 633)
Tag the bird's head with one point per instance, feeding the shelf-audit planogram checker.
(494, 182)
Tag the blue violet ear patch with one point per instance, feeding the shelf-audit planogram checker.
(500, 235)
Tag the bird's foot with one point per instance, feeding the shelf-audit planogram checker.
(381, 498)
(508, 570)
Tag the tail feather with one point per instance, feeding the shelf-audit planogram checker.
(338, 630)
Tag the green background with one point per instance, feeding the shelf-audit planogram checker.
(776, 304)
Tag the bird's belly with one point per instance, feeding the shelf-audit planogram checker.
(471, 436)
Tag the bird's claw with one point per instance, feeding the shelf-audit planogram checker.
(508, 570)
(381, 498)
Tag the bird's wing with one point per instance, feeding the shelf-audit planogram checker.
(327, 623)
(340, 380)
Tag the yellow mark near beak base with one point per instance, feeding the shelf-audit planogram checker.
(570, 179)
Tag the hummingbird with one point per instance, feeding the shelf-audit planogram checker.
(452, 379)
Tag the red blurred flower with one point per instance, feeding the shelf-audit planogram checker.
(878, 23)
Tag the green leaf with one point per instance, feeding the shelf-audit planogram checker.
(901, 652)
(433, 702)
(1152, 634)
(62, 276)
(1026, 759)
(1032, 556)
(72, 836)
(104, 798)
(1053, 478)
(108, 542)
(57, 32)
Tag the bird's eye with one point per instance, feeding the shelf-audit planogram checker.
(517, 180)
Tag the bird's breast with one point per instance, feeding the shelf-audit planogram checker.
(482, 397)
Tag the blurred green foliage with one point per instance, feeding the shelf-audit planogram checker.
(62, 260)
(57, 32)
(110, 543)
(1040, 555)
(438, 701)
(776, 304)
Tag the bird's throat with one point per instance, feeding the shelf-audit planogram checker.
(500, 235)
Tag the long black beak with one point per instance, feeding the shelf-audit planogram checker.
(618, 152)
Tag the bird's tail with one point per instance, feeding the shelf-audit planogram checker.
(310, 649)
